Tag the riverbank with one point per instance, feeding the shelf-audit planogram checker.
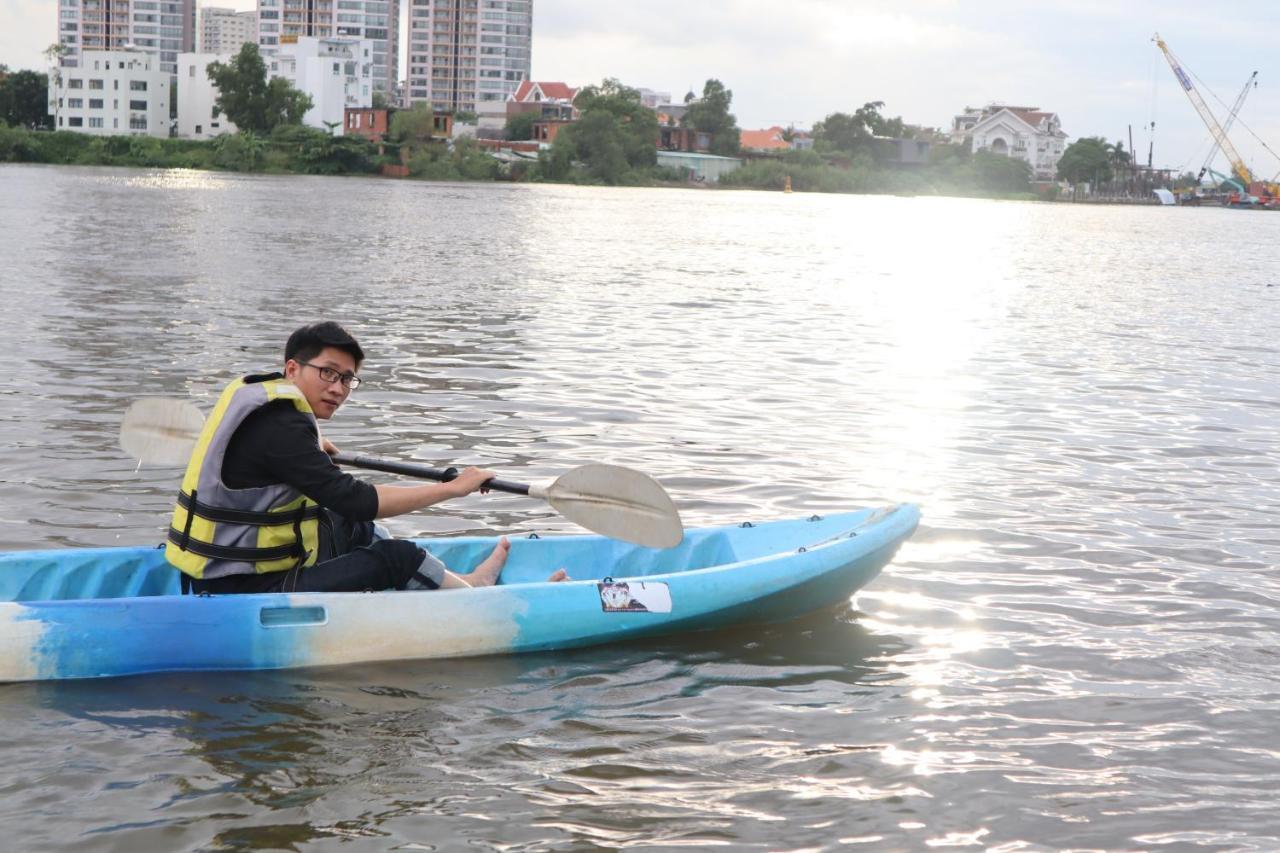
(306, 151)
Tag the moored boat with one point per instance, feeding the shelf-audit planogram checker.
(85, 613)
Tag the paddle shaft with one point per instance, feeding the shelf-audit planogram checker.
(422, 472)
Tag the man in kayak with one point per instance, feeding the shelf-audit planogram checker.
(263, 508)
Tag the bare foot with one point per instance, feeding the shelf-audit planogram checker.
(486, 574)
(558, 575)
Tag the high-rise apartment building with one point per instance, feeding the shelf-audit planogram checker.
(161, 27)
(469, 55)
(283, 22)
(224, 30)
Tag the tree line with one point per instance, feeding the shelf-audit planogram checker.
(613, 142)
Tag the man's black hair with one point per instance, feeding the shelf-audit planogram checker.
(306, 343)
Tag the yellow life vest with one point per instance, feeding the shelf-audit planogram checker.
(218, 531)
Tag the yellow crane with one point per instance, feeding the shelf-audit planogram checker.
(1220, 136)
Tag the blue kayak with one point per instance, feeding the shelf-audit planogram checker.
(88, 613)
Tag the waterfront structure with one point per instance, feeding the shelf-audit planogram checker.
(283, 22)
(198, 115)
(164, 28)
(1027, 133)
(111, 93)
(469, 55)
(699, 167)
(337, 73)
(224, 30)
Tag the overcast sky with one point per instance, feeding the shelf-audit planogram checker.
(794, 62)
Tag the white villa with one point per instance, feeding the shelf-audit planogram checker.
(1027, 133)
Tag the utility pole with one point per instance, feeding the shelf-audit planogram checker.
(1133, 162)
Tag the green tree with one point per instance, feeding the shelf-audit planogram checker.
(24, 99)
(615, 136)
(1186, 181)
(999, 173)
(412, 127)
(850, 134)
(1119, 157)
(1086, 159)
(249, 100)
(710, 114)
(520, 126)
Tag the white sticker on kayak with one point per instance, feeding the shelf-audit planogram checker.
(634, 597)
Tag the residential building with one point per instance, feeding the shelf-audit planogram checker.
(653, 100)
(224, 30)
(111, 93)
(469, 55)
(337, 73)
(198, 117)
(283, 22)
(547, 101)
(675, 138)
(369, 122)
(164, 28)
(898, 151)
(769, 139)
(1027, 133)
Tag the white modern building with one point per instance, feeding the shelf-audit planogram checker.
(161, 27)
(469, 55)
(224, 30)
(1027, 133)
(336, 72)
(652, 99)
(198, 117)
(111, 93)
(283, 22)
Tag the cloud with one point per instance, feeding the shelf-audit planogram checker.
(29, 27)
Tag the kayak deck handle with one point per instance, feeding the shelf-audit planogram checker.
(290, 617)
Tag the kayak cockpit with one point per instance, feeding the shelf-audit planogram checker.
(100, 573)
(72, 574)
(104, 573)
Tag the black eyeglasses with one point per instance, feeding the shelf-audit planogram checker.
(328, 374)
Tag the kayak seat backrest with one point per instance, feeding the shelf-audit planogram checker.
(70, 575)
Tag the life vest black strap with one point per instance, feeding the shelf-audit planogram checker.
(235, 554)
(222, 515)
(191, 516)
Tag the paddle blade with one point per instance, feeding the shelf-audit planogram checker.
(160, 431)
(618, 502)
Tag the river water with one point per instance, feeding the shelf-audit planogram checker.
(1080, 648)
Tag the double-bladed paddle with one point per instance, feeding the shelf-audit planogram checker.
(618, 502)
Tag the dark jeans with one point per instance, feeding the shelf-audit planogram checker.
(350, 560)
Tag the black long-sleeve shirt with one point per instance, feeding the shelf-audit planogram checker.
(279, 444)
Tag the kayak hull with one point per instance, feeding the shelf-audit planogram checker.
(115, 611)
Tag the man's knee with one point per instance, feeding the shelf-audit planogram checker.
(401, 557)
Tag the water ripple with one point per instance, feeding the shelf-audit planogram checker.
(1077, 650)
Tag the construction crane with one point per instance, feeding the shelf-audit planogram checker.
(1249, 85)
(1220, 136)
